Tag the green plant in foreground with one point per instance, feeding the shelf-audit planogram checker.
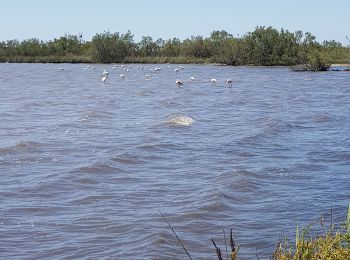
(324, 247)
(330, 245)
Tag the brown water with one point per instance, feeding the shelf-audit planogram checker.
(86, 166)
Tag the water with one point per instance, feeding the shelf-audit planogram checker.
(86, 166)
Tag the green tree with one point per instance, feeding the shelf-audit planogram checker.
(107, 47)
(195, 47)
(172, 48)
(148, 47)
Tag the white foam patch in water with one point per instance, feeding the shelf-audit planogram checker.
(181, 121)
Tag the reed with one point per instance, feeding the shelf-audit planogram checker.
(233, 255)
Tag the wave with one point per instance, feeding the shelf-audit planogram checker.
(21, 147)
(239, 180)
(127, 158)
(97, 168)
(24, 153)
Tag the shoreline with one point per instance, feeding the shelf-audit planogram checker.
(343, 67)
(340, 65)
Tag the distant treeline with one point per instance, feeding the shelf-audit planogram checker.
(265, 46)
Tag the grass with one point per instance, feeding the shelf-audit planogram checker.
(332, 244)
(328, 246)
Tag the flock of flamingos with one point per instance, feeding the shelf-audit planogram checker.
(177, 120)
(178, 82)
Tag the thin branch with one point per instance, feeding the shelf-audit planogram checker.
(178, 239)
(218, 251)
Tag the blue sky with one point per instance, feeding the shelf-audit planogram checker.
(47, 19)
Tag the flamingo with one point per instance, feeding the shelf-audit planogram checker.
(104, 75)
(213, 82)
(229, 82)
(178, 83)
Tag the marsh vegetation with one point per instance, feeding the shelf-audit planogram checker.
(265, 46)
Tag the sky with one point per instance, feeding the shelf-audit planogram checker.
(49, 19)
